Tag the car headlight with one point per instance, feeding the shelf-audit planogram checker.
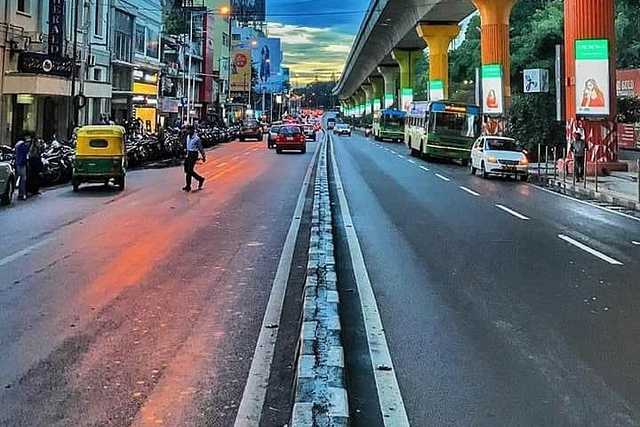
(492, 159)
(523, 161)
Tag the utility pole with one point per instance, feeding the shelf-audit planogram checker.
(73, 113)
(85, 44)
(189, 83)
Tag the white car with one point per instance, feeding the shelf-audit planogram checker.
(499, 155)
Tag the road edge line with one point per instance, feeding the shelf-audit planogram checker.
(320, 389)
(255, 390)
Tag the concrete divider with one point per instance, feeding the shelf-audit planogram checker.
(320, 390)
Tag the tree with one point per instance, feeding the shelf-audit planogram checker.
(628, 33)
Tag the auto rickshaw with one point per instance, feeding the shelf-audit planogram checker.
(101, 155)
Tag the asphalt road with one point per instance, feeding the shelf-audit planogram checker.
(502, 304)
(144, 307)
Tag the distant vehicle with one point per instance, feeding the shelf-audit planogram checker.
(442, 129)
(309, 131)
(291, 137)
(499, 155)
(331, 123)
(7, 178)
(388, 124)
(250, 128)
(342, 129)
(273, 134)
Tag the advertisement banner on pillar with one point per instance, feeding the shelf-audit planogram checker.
(492, 96)
(388, 100)
(377, 105)
(592, 78)
(436, 90)
(406, 98)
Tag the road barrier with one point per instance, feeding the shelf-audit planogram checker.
(320, 390)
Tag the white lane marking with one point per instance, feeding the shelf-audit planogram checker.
(512, 212)
(411, 161)
(470, 191)
(590, 250)
(247, 153)
(236, 157)
(26, 251)
(633, 242)
(424, 168)
(401, 156)
(255, 389)
(222, 164)
(444, 178)
(255, 149)
(391, 404)
(587, 203)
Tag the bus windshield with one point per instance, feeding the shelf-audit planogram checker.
(392, 120)
(455, 124)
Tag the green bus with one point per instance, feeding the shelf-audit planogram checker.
(388, 124)
(443, 129)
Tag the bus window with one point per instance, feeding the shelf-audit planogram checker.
(455, 124)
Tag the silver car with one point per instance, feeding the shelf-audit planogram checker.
(7, 178)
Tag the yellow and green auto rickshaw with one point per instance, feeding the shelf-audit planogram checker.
(101, 155)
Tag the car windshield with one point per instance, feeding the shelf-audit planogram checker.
(275, 129)
(341, 126)
(502, 144)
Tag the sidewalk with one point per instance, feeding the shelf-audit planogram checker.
(617, 188)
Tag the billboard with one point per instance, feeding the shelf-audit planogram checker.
(493, 100)
(266, 55)
(592, 78)
(249, 10)
(240, 70)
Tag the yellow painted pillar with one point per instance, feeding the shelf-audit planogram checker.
(438, 38)
(406, 59)
(494, 21)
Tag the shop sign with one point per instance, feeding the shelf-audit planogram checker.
(627, 135)
(56, 28)
(492, 95)
(592, 78)
(536, 80)
(38, 63)
(145, 77)
(628, 82)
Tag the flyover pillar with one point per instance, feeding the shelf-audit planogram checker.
(590, 89)
(367, 88)
(438, 38)
(494, 19)
(390, 75)
(377, 84)
(406, 59)
(359, 98)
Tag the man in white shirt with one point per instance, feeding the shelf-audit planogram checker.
(194, 147)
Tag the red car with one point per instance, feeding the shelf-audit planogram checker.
(291, 137)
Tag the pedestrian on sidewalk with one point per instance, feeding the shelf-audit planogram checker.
(34, 166)
(21, 152)
(194, 147)
(579, 149)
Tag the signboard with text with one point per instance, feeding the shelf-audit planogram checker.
(592, 78)
(436, 90)
(492, 95)
(388, 100)
(406, 98)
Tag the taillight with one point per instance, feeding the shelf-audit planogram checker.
(300, 137)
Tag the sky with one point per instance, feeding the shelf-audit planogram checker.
(316, 35)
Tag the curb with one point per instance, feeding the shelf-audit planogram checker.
(320, 389)
(613, 198)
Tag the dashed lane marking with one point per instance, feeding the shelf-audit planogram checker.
(23, 252)
(633, 242)
(411, 161)
(401, 156)
(442, 177)
(589, 250)
(424, 168)
(470, 191)
(512, 212)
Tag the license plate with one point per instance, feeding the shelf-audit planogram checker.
(289, 138)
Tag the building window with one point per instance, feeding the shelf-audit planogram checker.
(140, 44)
(152, 44)
(123, 46)
(123, 36)
(97, 74)
(97, 29)
(24, 6)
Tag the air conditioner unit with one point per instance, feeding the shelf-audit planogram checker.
(91, 60)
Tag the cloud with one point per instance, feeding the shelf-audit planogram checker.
(312, 52)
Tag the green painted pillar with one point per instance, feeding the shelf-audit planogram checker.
(390, 74)
(406, 59)
(377, 83)
(367, 88)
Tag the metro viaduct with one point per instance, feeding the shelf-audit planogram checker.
(395, 32)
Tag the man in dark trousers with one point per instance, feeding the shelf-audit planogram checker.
(194, 147)
(579, 148)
